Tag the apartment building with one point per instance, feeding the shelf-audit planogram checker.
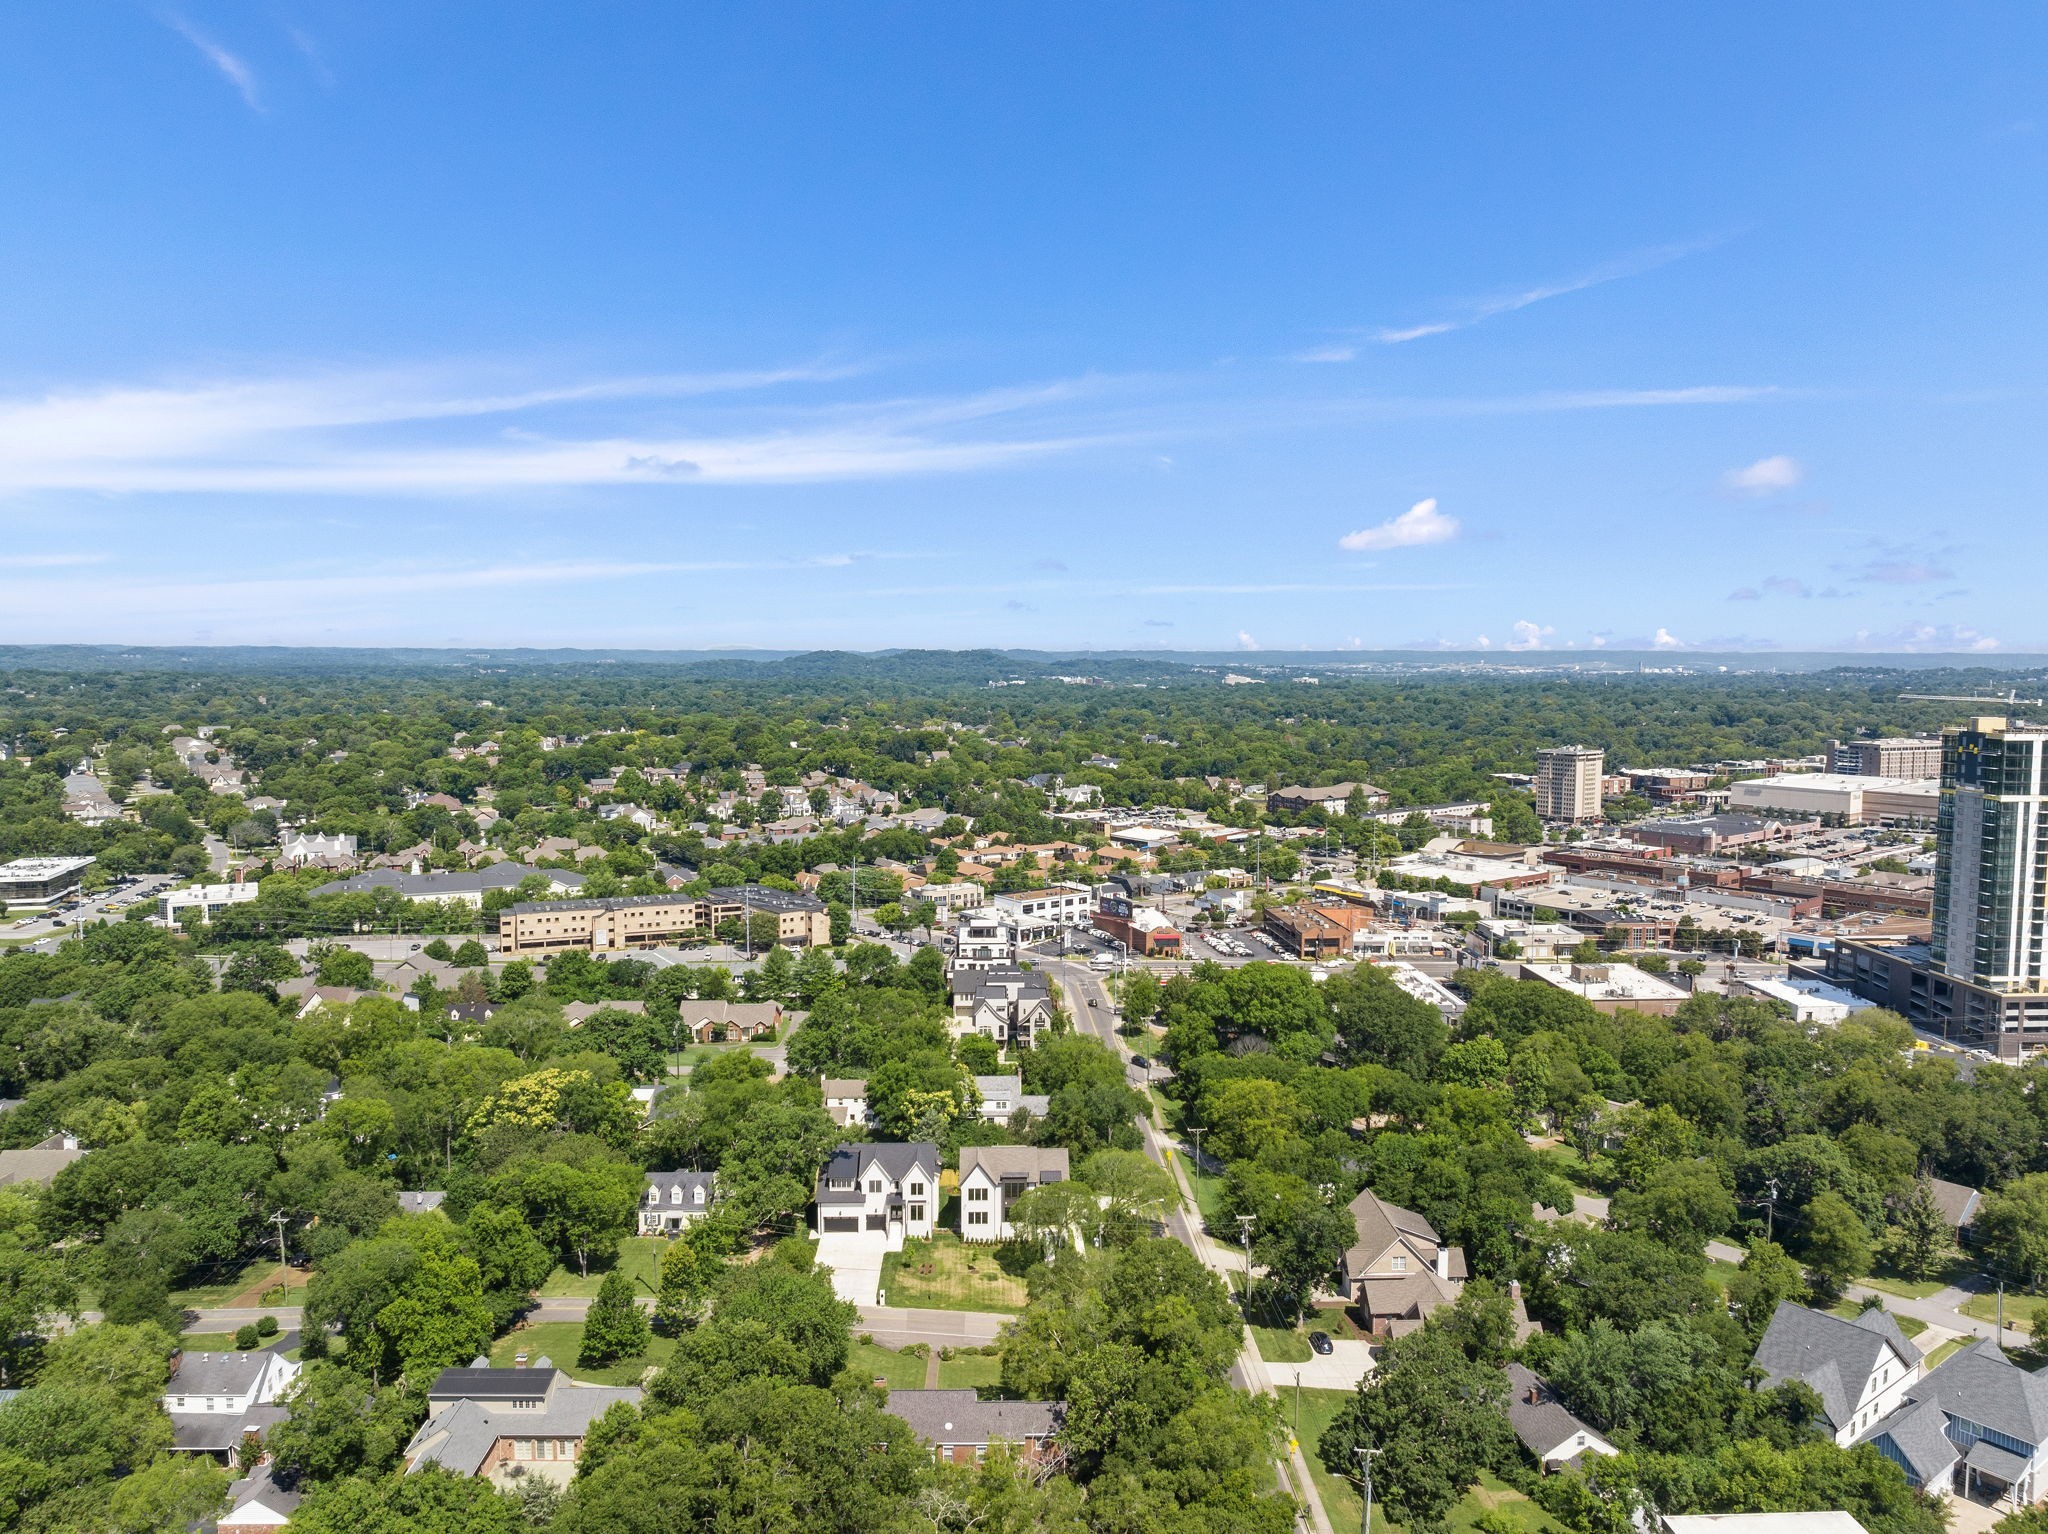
(652, 921)
(1045, 913)
(1896, 756)
(1568, 782)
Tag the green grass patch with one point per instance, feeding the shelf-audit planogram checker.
(208, 1342)
(1281, 1347)
(1849, 1310)
(900, 1371)
(1908, 1288)
(1720, 1272)
(1496, 1496)
(1941, 1353)
(1341, 1500)
(973, 1371)
(1595, 1176)
(946, 1273)
(561, 1341)
(640, 1256)
(2021, 1310)
(224, 1283)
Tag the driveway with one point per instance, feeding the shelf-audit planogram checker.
(1348, 1362)
(855, 1258)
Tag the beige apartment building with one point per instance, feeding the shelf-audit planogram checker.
(1568, 782)
(652, 921)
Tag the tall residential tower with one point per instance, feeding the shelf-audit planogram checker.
(1568, 782)
(1991, 859)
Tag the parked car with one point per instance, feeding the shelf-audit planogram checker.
(1319, 1342)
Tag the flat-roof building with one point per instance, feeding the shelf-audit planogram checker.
(38, 881)
(1568, 782)
(1857, 799)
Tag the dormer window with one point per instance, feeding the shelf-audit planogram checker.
(675, 1194)
(698, 1194)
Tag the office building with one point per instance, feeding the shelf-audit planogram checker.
(1855, 799)
(1897, 756)
(653, 921)
(1568, 782)
(38, 881)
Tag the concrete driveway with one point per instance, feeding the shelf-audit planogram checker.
(855, 1258)
(1348, 1362)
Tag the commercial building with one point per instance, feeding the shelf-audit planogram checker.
(1708, 836)
(1611, 987)
(1307, 933)
(38, 881)
(1333, 799)
(652, 921)
(1856, 800)
(1568, 782)
(1667, 785)
(1142, 929)
(468, 885)
(1897, 756)
(1046, 913)
(209, 900)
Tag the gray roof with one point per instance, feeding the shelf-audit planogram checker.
(761, 897)
(456, 881)
(218, 1374)
(843, 1086)
(213, 1432)
(961, 1417)
(38, 1165)
(260, 1486)
(689, 1182)
(1833, 1356)
(896, 1158)
(460, 1436)
(1539, 1419)
(1996, 1462)
(1979, 1383)
(420, 1202)
(1030, 1162)
(482, 1383)
(1957, 1202)
(1916, 1438)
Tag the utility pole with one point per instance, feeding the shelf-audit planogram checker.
(1297, 1406)
(279, 1221)
(1197, 1132)
(1365, 1462)
(1244, 1234)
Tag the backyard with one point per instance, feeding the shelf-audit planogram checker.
(946, 1273)
(899, 1371)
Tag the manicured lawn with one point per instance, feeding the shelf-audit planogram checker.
(1719, 1273)
(1493, 1496)
(1281, 1347)
(1209, 1199)
(2020, 1309)
(1906, 1288)
(901, 1371)
(1849, 1310)
(946, 1273)
(640, 1256)
(975, 1371)
(1942, 1352)
(560, 1341)
(208, 1342)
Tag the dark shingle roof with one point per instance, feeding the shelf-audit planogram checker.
(959, 1416)
(1539, 1419)
(1833, 1356)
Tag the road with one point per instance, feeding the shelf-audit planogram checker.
(50, 930)
(1080, 986)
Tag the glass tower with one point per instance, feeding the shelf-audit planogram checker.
(1991, 858)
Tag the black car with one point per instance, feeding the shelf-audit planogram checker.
(1319, 1342)
(1141, 1062)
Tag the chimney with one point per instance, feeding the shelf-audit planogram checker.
(1443, 1261)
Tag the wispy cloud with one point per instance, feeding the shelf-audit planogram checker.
(1420, 524)
(232, 67)
(363, 433)
(48, 561)
(1664, 639)
(1478, 311)
(1765, 477)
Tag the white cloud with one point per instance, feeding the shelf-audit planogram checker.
(1766, 476)
(321, 433)
(235, 70)
(1664, 639)
(1530, 636)
(1245, 641)
(1633, 265)
(48, 561)
(1420, 524)
(1328, 354)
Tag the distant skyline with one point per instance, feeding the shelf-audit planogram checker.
(1198, 328)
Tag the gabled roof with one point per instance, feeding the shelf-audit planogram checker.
(843, 1086)
(219, 1374)
(1979, 1383)
(1957, 1203)
(421, 1201)
(689, 1182)
(961, 1417)
(1031, 1162)
(1382, 1225)
(1539, 1418)
(460, 1436)
(894, 1158)
(259, 1489)
(1916, 1435)
(1834, 1357)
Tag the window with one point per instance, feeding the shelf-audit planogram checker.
(874, 1185)
(917, 1190)
(977, 1195)
(977, 1217)
(1400, 1265)
(916, 1212)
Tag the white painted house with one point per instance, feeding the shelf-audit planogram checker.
(1862, 1369)
(217, 1401)
(891, 1188)
(993, 1177)
(674, 1200)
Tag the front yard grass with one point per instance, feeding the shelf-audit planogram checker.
(2021, 1310)
(640, 1256)
(1849, 1310)
(946, 1273)
(1278, 1346)
(972, 1371)
(899, 1371)
(223, 1284)
(561, 1341)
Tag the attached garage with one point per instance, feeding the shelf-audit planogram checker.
(842, 1224)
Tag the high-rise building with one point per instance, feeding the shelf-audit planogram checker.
(1896, 756)
(1568, 782)
(1991, 857)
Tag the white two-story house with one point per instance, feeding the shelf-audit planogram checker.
(890, 1189)
(1861, 1369)
(218, 1401)
(993, 1177)
(674, 1199)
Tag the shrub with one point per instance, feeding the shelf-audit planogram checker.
(246, 1336)
(266, 1326)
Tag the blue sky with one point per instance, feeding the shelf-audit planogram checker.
(1193, 325)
